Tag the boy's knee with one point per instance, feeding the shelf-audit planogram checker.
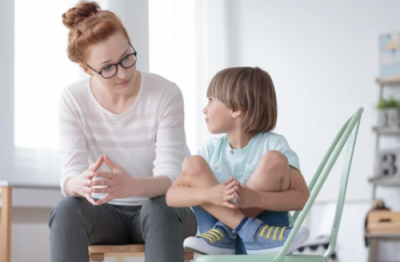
(193, 166)
(273, 162)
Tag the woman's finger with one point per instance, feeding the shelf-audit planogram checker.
(103, 182)
(104, 200)
(86, 182)
(87, 189)
(89, 174)
(104, 174)
(110, 163)
(98, 164)
(90, 199)
(100, 190)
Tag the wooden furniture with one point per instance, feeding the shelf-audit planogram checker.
(6, 191)
(98, 253)
(376, 181)
(383, 222)
(374, 241)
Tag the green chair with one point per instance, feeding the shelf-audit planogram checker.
(349, 130)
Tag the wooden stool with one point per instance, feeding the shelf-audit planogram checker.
(97, 253)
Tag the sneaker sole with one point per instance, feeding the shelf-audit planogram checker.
(301, 237)
(199, 246)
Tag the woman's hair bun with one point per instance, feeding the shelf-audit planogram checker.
(79, 13)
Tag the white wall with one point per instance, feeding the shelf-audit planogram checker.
(134, 16)
(323, 59)
(6, 86)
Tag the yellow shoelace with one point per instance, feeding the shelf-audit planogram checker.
(212, 235)
(275, 233)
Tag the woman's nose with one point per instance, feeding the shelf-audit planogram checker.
(122, 73)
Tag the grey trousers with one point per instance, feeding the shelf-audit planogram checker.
(75, 224)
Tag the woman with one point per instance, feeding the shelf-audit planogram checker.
(122, 145)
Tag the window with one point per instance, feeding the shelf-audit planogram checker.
(42, 69)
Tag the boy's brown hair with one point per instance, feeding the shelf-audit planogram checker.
(250, 90)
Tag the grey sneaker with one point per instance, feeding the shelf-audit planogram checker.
(217, 241)
(259, 238)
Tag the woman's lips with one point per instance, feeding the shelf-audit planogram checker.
(125, 82)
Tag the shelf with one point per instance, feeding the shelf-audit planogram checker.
(380, 235)
(389, 131)
(395, 81)
(385, 182)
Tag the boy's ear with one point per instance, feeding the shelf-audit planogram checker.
(236, 113)
(86, 69)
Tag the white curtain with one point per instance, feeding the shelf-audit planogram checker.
(188, 45)
(42, 69)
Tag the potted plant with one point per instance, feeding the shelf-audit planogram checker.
(388, 112)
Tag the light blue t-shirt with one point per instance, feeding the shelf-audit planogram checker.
(226, 162)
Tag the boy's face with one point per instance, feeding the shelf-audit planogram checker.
(219, 117)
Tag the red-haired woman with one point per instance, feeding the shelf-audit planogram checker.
(122, 145)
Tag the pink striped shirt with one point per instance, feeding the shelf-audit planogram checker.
(146, 140)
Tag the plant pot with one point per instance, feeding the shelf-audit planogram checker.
(389, 117)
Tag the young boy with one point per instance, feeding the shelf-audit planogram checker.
(243, 184)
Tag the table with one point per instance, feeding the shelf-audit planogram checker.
(6, 191)
(373, 239)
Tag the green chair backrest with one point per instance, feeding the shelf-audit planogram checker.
(348, 133)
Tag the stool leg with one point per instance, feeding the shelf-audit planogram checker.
(96, 257)
(373, 248)
(188, 256)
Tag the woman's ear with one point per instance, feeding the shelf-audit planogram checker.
(86, 69)
(236, 113)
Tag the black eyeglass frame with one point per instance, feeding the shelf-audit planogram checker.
(117, 64)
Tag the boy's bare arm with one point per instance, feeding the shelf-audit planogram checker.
(180, 195)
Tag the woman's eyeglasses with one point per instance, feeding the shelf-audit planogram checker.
(111, 70)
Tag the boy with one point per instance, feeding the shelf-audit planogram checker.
(242, 185)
